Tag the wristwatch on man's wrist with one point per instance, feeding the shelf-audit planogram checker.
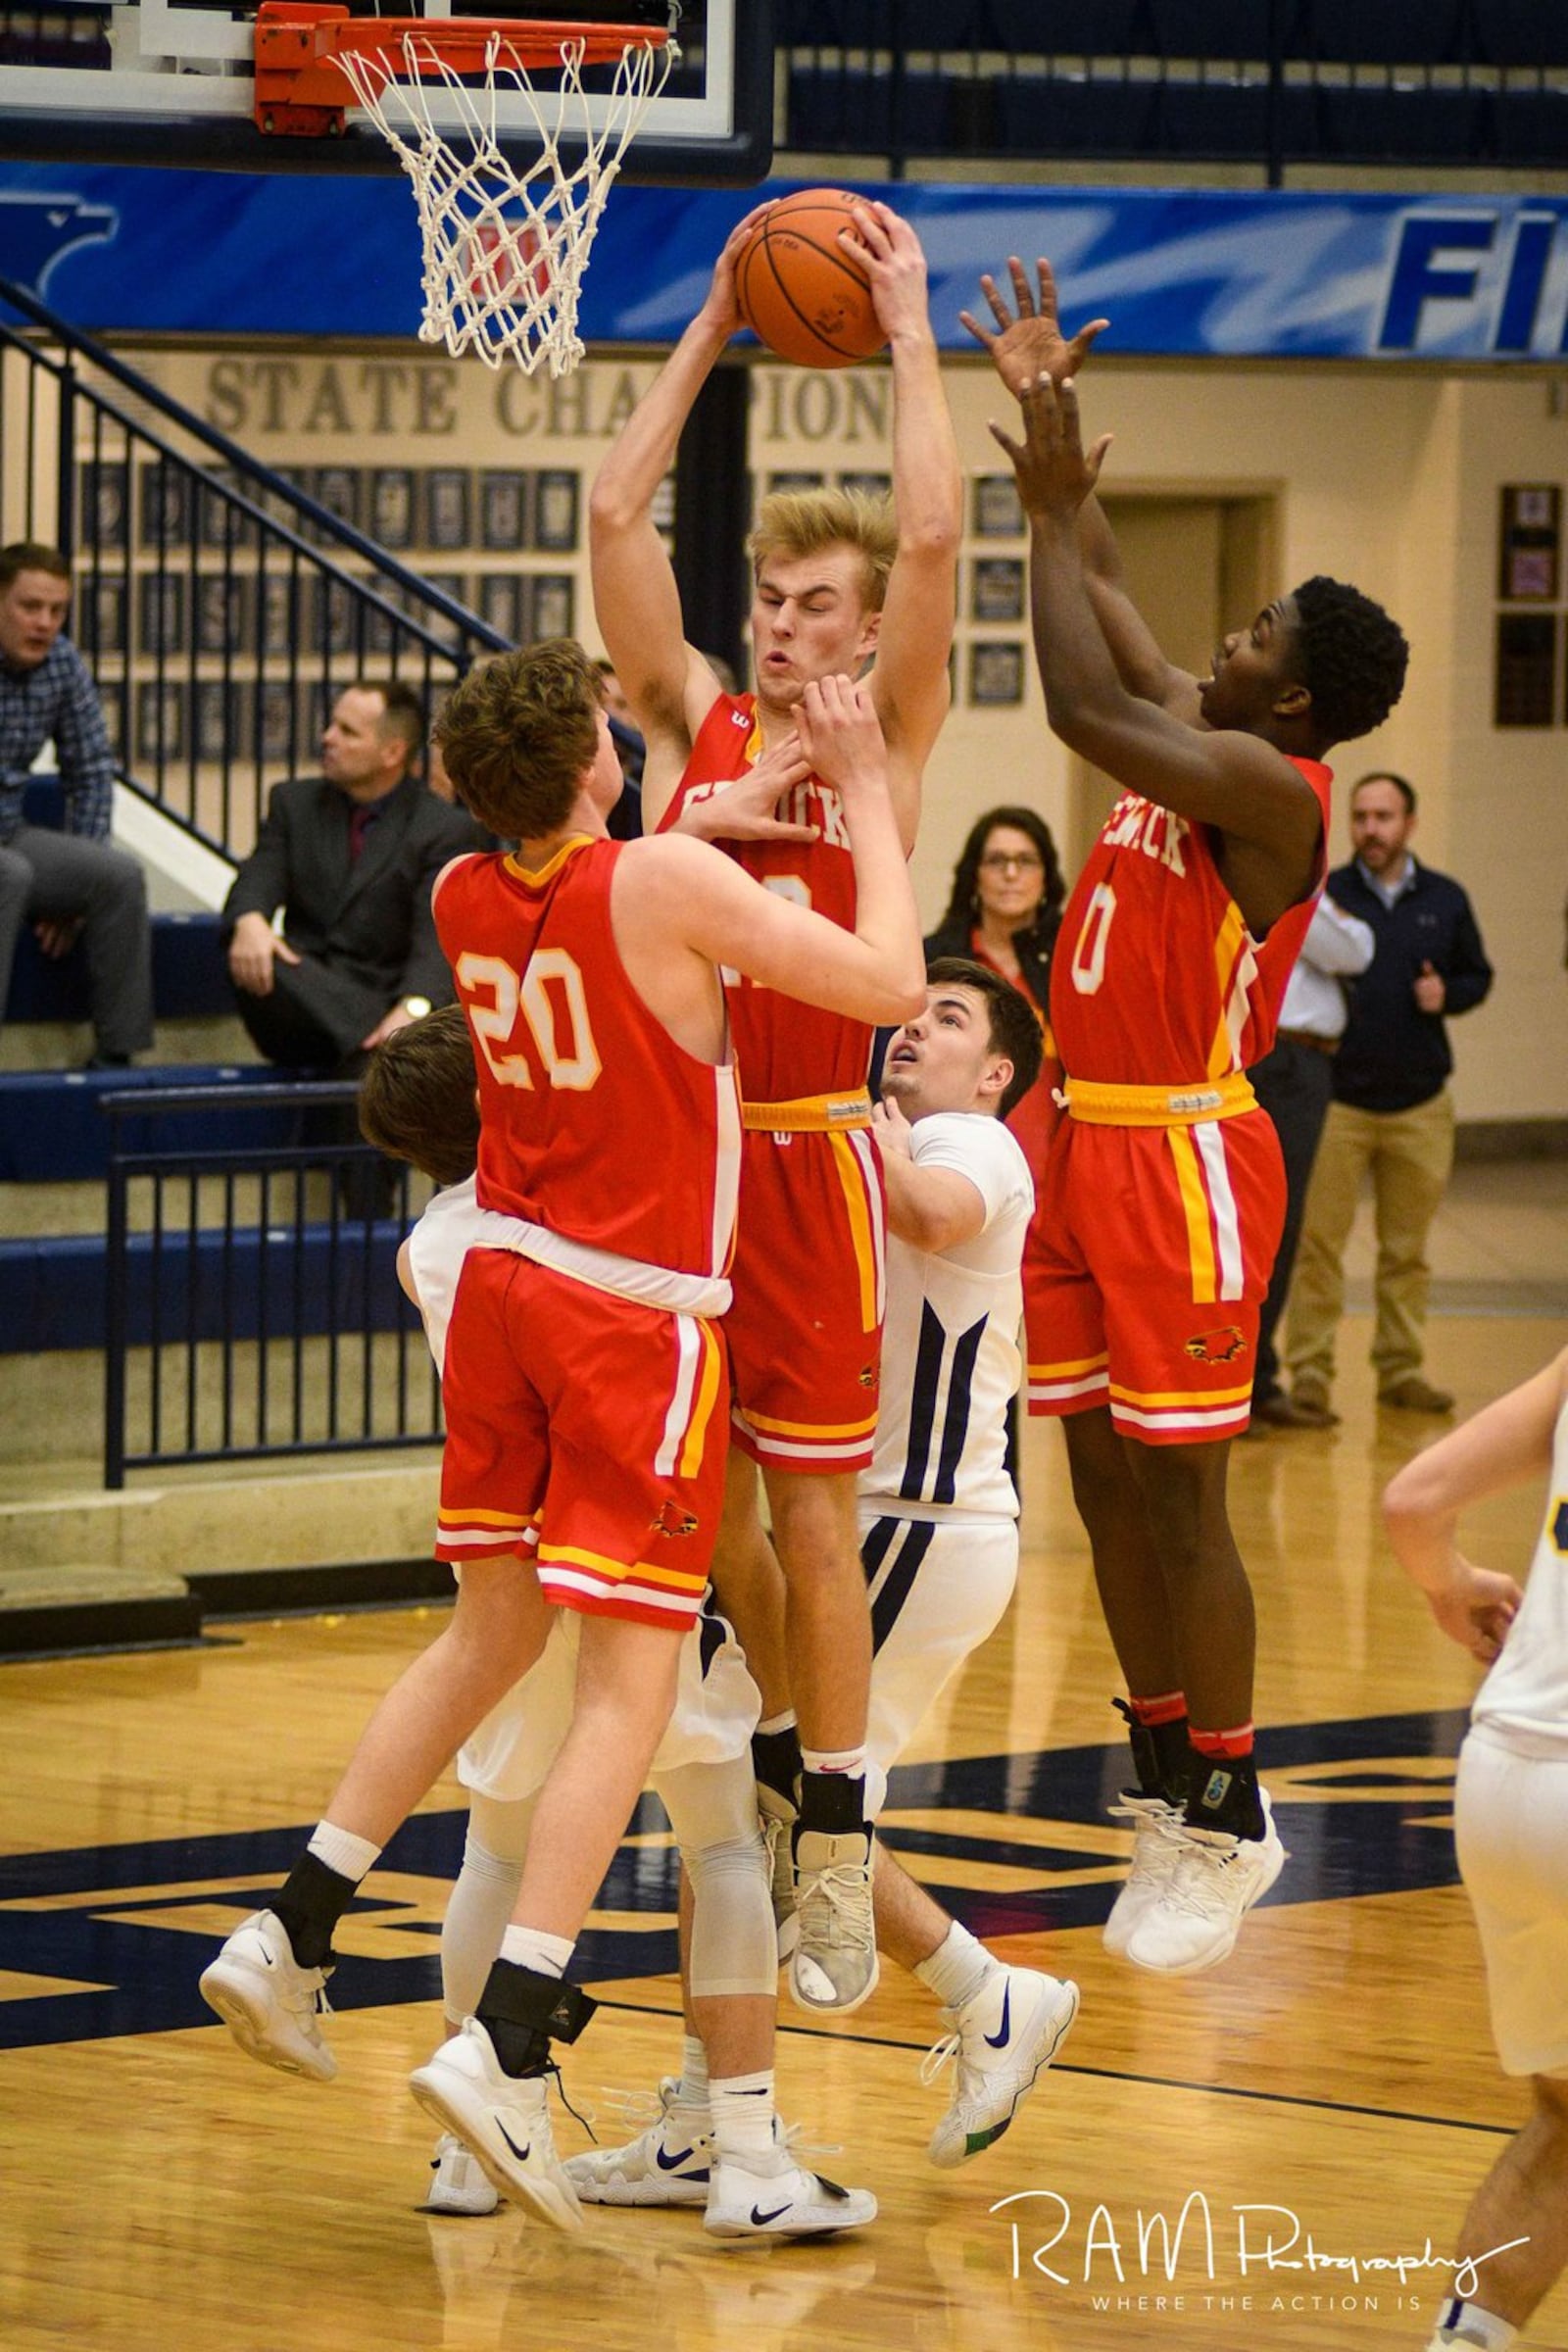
(417, 1007)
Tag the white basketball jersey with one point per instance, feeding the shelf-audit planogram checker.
(950, 1348)
(1524, 1699)
(452, 1225)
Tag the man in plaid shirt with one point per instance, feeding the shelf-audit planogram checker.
(69, 885)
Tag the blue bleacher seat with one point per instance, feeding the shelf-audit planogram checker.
(190, 977)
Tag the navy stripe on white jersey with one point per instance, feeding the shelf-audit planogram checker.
(950, 1348)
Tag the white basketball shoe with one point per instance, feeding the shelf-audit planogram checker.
(268, 2001)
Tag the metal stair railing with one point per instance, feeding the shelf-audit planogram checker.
(220, 607)
(252, 1307)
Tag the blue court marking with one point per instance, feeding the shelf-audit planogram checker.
(1377, 1831)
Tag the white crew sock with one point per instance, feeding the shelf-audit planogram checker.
(531, 1947)
(350, 1856)
(743, 2120)
(1467, 2323)
(960, 1968)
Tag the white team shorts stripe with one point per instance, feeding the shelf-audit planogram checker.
(1209, 1137)
(1043, 1392)
(1181, 1416)
(794, 1449)
(689, 1343)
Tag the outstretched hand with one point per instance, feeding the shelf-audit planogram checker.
(1054, 471)
(839, 733)
(890, 253)
(1477, 1608)
(1028, 341)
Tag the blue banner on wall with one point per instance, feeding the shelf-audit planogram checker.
(1180, 273)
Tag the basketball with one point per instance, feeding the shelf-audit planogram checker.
(800, 292)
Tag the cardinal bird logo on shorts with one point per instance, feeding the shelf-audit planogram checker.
(1221, 1346)
(673, 1521)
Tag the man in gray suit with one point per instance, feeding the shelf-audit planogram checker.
(350, 857)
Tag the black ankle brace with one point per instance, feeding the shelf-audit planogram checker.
(523, 2009)
(832, 1803)
(1223, 1796)
(1161, 1756)
(309, 1904)
(777, 1761)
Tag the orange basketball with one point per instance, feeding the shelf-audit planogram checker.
(800, 292)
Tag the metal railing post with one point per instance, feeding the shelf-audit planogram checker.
(117, 1318)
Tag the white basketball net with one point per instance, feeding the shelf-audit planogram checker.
(503, 251)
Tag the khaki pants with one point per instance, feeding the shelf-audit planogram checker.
(1409, 1153)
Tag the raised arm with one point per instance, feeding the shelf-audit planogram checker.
(1234, 781)
(668, 685)
(1027, 342)
(910, 676)
(1504, 1445)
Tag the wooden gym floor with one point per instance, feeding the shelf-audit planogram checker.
(1336, 2075)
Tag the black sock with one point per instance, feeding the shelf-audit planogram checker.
(1223, 1796)
(832, 1803)
(309, 1906)
(1161, 1755)
(776, 1760)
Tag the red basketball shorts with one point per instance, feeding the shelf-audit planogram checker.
(809, 1278)
(1145, 1270)
(590, 1423)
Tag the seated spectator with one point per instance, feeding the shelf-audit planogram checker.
(71, 885)
(350, 857)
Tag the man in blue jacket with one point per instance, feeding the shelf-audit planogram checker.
(1392, 1112)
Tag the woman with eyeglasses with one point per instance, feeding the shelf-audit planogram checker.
(1006, 908)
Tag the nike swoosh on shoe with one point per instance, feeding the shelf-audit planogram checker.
(998, 2042)
(672, 2164)
(760, 2221)
(522, 2154)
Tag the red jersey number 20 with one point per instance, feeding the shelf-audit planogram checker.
(554, 1005)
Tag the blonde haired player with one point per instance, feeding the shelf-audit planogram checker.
(838, 584)
(1510, 1823)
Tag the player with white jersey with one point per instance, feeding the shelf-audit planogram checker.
(1511, 1826)
(584, 1383)
(938, 1509)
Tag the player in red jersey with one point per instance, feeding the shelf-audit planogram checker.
(838, 583)
(583, 1373)
(1164, 1191)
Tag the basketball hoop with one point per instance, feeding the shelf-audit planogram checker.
(503, 244)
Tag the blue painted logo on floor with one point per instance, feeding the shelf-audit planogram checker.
(109, 1940)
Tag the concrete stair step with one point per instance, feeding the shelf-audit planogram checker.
(65, 1045)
